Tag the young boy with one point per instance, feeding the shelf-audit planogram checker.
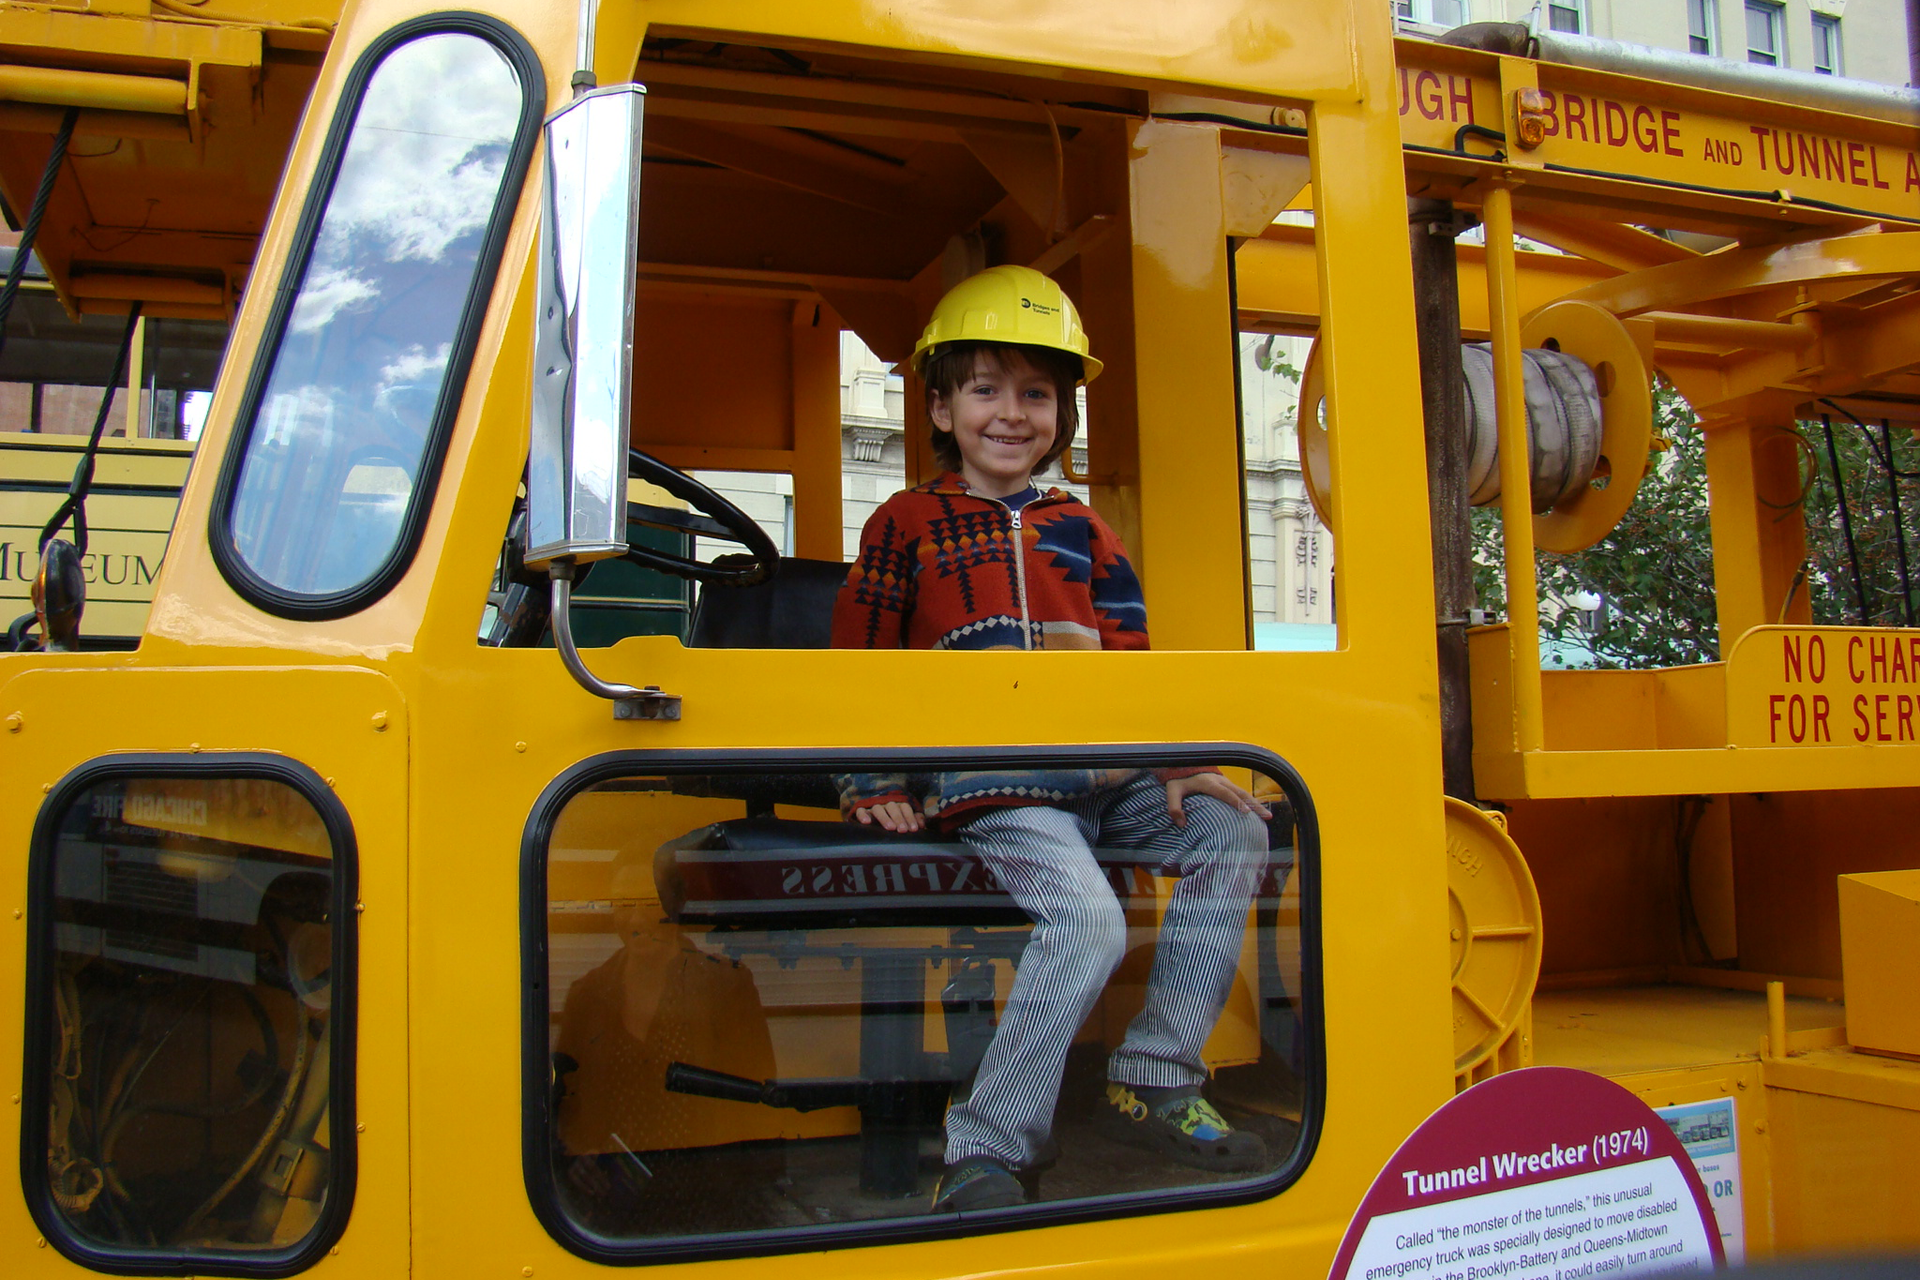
(981, 559)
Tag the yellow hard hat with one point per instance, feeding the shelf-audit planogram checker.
(1014, 305)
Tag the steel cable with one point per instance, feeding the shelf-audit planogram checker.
(30, 230)
(75, 503)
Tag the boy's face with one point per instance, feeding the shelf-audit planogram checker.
(1003, 419)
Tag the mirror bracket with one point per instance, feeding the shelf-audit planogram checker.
(629, 702)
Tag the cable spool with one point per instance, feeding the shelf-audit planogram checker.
(1493, 926)
(1563, 421)
(1589, 402)
(1589, 510)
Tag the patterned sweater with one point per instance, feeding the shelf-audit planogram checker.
(943, 568)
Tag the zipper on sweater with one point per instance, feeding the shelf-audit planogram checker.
(1020, 576)
(1019, 567)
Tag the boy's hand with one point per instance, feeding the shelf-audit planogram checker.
(1210, 784)
(895, 815)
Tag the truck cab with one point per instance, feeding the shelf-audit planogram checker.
(373, 916)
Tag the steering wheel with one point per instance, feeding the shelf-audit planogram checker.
(713, 517)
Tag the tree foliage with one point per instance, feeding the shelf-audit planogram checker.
(1653, 575)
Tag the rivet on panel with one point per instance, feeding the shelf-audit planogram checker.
(46, 787)
(379, 722)
(16, 913)
(41, 1243)
(335, 1251)
(330, 784)
(361, 1127)
(519, 746)
(526, 1271)
(15, 723)
(359, 906)
(194, 747)
(16, 1099)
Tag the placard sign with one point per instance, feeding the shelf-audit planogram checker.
(1824, 687)
(1541, 1174)
(1710, 1131)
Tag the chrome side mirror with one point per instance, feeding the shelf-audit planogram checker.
(583, 361)
(583, 331)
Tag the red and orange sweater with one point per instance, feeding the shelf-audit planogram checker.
(942, 568)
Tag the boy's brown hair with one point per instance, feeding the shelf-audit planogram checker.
(947, 368)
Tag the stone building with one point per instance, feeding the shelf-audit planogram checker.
(1862, 39)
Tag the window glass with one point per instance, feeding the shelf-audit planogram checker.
(1763, 34)
(765, 1020)
(187, 930)
(1567, 16)
(1700, 26)
(1826, 45)
(343, 431)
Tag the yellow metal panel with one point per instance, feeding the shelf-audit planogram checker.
(816, 433)
(1790, 849)
(713, 369)
(1843, 1173)
(1292, 48)
(323, 718)
(124, 42)
(1188, 554)
(1277, 286)
(1880, 949)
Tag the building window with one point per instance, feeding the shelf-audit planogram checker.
(1701, 26)
(1826, 45)
(1569, 16)
(1763, 34)
(1436, 13)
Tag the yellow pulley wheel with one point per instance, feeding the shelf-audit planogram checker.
(1626, 420)
(1310, 422)
(1493, 922)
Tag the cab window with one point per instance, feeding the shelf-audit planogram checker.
(189, 1061)
(327, 483)
(753, 1024)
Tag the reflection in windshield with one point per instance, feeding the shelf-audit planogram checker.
(340, 432)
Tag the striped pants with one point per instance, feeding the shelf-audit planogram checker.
(1044, 856)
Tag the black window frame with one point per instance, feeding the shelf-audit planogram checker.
(38, 1040)
(537, 1119)
(324, 606)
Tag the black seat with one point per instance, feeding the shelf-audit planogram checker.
(791, 610)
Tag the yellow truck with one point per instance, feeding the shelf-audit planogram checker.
(371, 918)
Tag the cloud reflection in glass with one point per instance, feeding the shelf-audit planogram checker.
(342, 425)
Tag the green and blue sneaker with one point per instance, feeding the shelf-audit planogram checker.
(1181, 1125)
(977, 1182)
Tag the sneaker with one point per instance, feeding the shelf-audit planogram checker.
(978, 1182)
(1182, 1126)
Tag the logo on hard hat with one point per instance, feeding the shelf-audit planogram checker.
(1028, 304)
